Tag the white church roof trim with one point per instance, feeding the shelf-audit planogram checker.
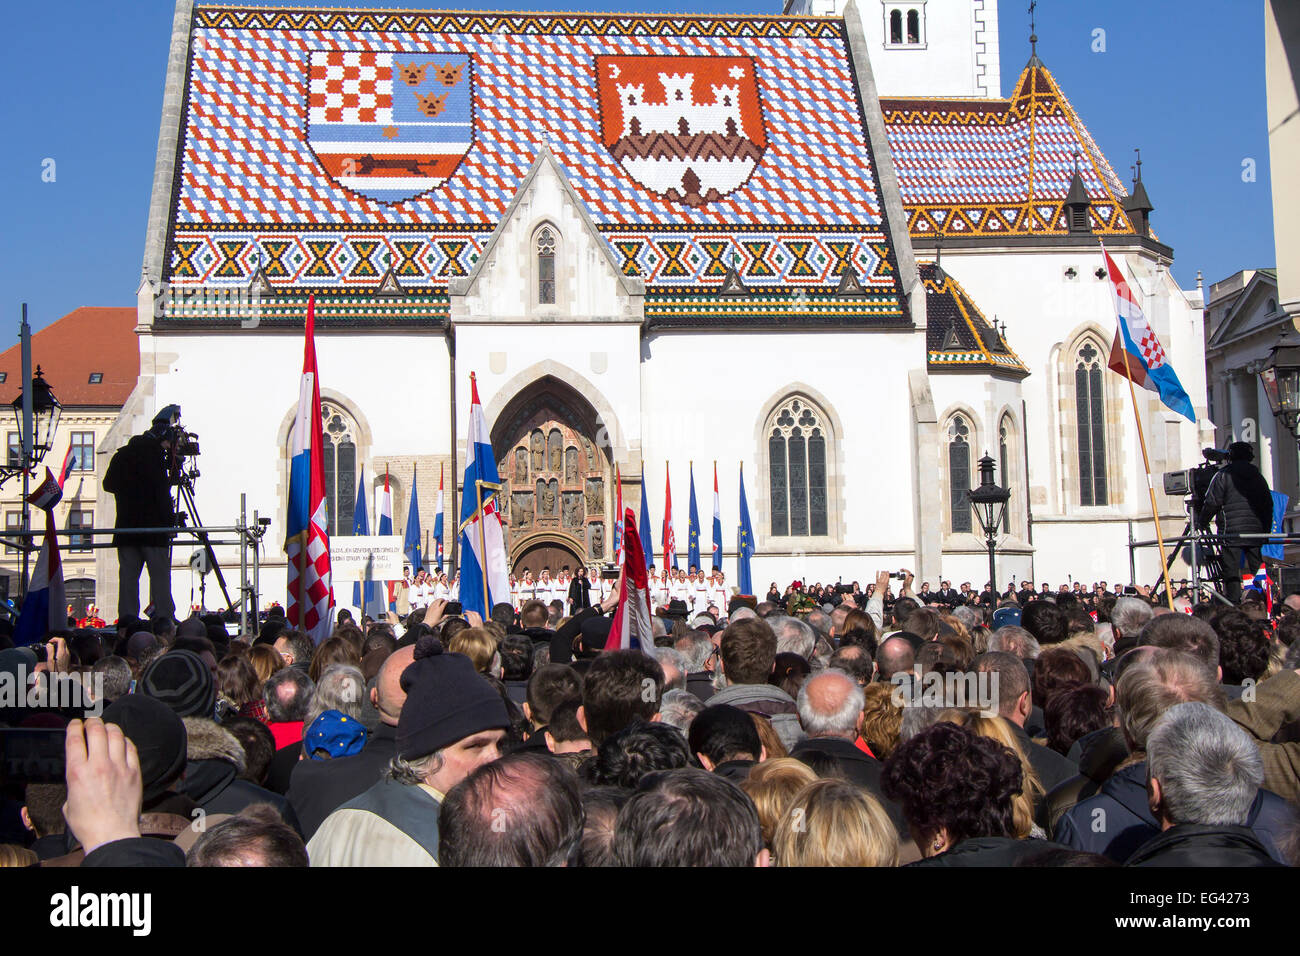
(292, 148)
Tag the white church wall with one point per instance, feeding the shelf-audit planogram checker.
(1041, 328)
(237, 390)
(707, 397)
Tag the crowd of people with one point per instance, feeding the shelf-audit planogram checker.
(864, 730)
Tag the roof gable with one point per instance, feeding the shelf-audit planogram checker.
(958, 336)
(1249, 312)
(999, 167)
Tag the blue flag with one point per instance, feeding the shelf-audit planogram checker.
(647, 547)
(693, 530)
(484, 578)
(745, 544)
(411, 543)
(1280, 502)
(361, 525)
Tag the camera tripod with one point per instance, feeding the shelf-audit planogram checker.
(187, 511)
(1204, 555)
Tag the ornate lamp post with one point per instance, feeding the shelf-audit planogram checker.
(1280, 377)
(989, 501)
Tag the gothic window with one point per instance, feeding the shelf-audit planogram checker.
(959, 474)
(797, 470)
(1006, 448)
(546, 243)
(340, 454)
(1091, 421)
(896, 26)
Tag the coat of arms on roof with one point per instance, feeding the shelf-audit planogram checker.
(688, 128)
(389, 125)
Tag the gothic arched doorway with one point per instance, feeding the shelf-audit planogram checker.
(556, 474)
(546, 551)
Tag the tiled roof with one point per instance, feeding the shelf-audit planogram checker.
(999, 167)
(70, 351)
(957, 336)
(295, 123)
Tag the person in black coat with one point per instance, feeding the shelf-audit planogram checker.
(1239, 497)
(137, 479)
(579, 592)
(1203, 777)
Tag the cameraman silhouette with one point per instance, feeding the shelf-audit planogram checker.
(1240, 498)
(137, 477)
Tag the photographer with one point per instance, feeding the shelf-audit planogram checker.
(137, 477)
(1240, 498)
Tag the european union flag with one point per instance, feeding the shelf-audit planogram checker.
(745, 546)
(646, 545)
(693, 532)
(1280, 502)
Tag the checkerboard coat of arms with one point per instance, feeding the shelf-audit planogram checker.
(688, 128)
(389, 125)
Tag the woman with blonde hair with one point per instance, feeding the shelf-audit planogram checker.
(835, 823)
(773, 785)
(478, 645)
(13, 855)
(995, 728)
(882, 720)
(266, 660)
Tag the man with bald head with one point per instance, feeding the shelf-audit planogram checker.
(830, 710)
(895, 656)
(319, 787)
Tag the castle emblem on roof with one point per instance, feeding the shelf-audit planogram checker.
(389, 125)
(688, 128)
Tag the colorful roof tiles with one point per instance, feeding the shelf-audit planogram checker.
(957, 336)
(999, 167)
(326, 146)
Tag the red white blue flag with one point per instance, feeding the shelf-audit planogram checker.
(44, 607)
(631, 625)
(482, 534)
(1146, 361)
(310, 605)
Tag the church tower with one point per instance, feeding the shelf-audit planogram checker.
(929, 48)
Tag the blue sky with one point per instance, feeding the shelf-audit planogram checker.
(1182, 79)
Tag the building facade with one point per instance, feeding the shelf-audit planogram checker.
(661, 243)
(90, 358)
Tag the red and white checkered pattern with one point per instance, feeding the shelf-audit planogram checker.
(1153, 353)
(350, 86)
(318, 620)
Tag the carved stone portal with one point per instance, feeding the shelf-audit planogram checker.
(521, 509)
(573, 512)
(595, 496)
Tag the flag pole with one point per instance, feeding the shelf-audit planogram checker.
(1146, 461)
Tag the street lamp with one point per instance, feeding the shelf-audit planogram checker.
(989, 501)
(46, 410)
(1280, 377)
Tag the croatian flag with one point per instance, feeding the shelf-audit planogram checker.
(437, 524)
(69, 462)
(1146, 361)
(310, 604)
(43, 608)
(717, 522)
(385, 528)
(669, 537)
(630, 627)
(1259, 581)
(412, 543)
(481, 560)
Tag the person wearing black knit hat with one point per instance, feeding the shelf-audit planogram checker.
(182, 681)
(452, 722)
